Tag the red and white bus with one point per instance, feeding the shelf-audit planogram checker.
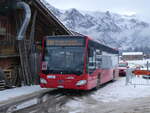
(76, 62)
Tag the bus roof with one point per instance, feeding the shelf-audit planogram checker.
(102, 47)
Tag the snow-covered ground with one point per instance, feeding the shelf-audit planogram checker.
(16, 92)
(112, 92)
(119, 91)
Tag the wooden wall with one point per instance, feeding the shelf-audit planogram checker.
(10, 23)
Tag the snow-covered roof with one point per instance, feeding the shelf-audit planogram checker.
(132, 53)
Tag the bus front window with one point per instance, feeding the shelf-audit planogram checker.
(65, 60)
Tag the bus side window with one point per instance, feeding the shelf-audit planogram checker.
(106, 62)
(91, 60)
(98, 59)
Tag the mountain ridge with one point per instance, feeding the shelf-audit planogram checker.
(119, 31)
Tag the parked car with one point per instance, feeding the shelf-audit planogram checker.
(122, 68)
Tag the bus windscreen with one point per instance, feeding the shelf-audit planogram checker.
(64, 60)
(64, 55)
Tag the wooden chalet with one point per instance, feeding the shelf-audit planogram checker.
(23, 24)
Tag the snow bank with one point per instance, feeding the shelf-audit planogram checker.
(119, 91)
(16, 92)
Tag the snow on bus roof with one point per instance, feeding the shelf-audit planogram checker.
(132, 53)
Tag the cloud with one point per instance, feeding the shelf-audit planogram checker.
(140, 7)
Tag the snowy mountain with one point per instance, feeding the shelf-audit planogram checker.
(120, 31)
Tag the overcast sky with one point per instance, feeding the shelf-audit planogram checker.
(139, 7)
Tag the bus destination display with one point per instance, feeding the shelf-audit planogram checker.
(64, 42)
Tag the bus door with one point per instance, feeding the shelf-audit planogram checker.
(91, 66)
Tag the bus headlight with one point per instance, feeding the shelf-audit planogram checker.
(81, 82)
(43, 81)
